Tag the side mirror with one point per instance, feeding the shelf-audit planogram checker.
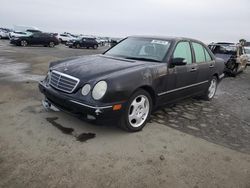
(178, 61)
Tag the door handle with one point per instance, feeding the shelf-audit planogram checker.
(193, 69)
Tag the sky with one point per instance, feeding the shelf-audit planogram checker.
(205, 20)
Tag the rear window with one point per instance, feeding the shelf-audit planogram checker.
(199, 52)
(207, 55)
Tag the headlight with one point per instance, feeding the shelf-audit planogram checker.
(86, 89)
(99, 90)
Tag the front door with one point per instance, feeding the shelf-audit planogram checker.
(180, 79)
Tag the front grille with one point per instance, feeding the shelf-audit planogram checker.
(63, 81)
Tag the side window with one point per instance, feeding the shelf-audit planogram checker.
(36, 35)
(207, 55)
(199, 53)
(183, 50)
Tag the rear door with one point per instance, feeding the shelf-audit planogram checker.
(205, 66)
(35, 38)
(45, 39)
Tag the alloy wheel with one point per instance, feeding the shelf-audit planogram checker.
(212, 88)
(51, 44)
(138, 111)
(24, 43)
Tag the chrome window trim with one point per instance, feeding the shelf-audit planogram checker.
(94, 107)
(68, 76)
(170, 91)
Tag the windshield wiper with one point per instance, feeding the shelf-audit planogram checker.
(142, 59)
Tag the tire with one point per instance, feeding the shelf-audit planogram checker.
(78, 46)
(23, 43)
(51, 44)
(95, 46)
(137, 111)
(60, 40)
(0, 37)
(211, 90)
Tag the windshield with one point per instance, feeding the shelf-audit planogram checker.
(141, 49)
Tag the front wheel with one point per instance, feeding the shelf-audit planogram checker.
(24, 43)
(137, 111)
(78, 46)
(95, 46)
(211, 90)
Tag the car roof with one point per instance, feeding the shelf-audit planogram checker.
(170, 38)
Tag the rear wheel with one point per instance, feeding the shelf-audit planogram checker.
(51, 44)
(137, 111)
(23, 43)
(211, 90)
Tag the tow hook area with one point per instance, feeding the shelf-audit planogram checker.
(48, 106)
(98, 111)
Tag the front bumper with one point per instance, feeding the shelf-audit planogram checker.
(76, 107)
(15, 42)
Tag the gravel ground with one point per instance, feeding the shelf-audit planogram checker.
(191, 144)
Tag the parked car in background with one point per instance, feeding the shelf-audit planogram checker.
(234, 56)
(247, 50)
(101, 41)
(16, 34)
(84, 42)
(38, 38)
(4, 34)
(33, 31)
(133, 78)
(63, 38)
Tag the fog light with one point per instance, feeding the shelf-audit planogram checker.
(117, 107)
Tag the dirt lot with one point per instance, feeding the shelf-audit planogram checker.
(191, 144)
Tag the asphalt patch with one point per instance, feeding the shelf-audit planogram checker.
(85, 136)
(64, 130)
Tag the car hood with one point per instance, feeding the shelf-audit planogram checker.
(91, 67)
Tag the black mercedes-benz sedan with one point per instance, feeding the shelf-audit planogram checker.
(37, 38)
(131, 79)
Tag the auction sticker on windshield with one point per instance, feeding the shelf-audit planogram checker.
(163, 42)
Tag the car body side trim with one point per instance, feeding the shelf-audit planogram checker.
(170, 91)
(89, 106)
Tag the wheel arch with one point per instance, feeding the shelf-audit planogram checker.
(216, 75)
(151, 92)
